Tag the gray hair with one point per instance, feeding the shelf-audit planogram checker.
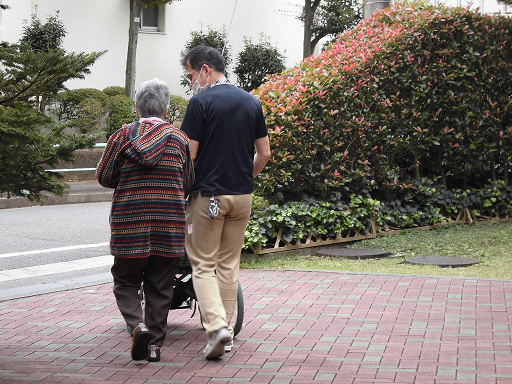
(152, 98)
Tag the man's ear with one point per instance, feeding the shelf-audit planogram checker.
(208, 70)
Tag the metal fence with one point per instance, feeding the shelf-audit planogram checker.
(97, 145)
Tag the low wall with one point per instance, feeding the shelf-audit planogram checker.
(84, 158)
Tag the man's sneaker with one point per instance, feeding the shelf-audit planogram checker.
(140, 342)
(229, 346)
(215, 346)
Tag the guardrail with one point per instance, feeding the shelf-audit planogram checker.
(97, 145)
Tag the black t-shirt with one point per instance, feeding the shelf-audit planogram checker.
(226, 121)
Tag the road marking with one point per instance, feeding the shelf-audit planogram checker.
(51, 269)
(50, 250)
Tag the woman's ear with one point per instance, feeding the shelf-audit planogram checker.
(166, 110)
(136, 110)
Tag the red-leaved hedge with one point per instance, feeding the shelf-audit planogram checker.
(411, 92)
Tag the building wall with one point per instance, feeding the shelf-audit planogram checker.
(484, 6)
(97, 25)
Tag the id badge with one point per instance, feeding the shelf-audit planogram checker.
(213, 209)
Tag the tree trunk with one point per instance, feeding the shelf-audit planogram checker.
(309, 14)
(308, 27)
(131, 56)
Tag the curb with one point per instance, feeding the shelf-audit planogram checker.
(70, 198)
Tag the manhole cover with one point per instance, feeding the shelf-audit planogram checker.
(442, 261)
(354, 253)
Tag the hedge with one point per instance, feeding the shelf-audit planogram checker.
(411, 92)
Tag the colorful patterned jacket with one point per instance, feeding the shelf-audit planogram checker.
(152, 173)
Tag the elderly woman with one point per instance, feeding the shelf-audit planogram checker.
(148, 163)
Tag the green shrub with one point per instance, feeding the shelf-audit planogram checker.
(68, 103)
(40, 37)
(113, 91)
(88, 116)
(177, 108)
(256, 61)
(121, 110)
(418, 204)
(412, 92)
(210, 38)
(295, 221)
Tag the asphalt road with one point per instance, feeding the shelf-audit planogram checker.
(47, 247)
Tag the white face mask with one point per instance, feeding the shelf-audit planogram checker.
(196, 88)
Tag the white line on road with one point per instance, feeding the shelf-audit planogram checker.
(50, 269)
(50, 250)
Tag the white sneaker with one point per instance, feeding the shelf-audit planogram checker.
(215, 346)
(229, 346)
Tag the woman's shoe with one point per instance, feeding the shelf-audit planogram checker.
(140, 342)
(154, 353)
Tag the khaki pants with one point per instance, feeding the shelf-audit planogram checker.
(214, 248)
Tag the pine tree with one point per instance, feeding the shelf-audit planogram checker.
(30, 141)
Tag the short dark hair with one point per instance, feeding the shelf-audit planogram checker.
(202, 54)
(152, 98)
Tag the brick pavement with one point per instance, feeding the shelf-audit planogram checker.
(300, 327)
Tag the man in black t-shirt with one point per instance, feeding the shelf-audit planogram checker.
(230, 146)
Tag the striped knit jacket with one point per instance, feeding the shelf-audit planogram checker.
(152, 173)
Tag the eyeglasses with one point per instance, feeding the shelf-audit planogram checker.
(190, 76)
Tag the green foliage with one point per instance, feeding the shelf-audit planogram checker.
(113, 91)
(177, 108)
(411, 92)
(416, 205)
(121, 110)
(68, 103)
(32, 142)
(88, 116)
(40, 37)
(330, 18)
(295, 221)
(86, 108)
(211, 38)
(148, 3)
(256, 61)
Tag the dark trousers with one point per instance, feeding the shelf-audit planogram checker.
(157, 274)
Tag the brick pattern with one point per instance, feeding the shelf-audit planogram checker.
(300, 327)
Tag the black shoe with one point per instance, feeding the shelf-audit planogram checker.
(154, 353)
(140, 342)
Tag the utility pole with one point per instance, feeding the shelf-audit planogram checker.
(371, 6)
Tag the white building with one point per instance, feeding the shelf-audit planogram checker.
(97, 25)
(484, 6)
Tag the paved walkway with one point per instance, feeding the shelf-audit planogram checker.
(300, 327)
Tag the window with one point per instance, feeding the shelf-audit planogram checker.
(150, 20)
